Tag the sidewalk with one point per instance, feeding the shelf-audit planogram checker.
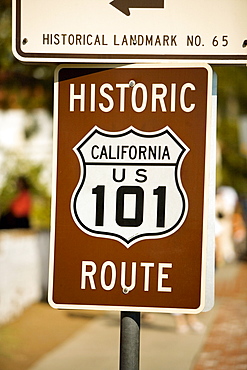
(222, 346)
(226, 344)
(97, 347)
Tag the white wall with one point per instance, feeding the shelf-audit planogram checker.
(23, 269)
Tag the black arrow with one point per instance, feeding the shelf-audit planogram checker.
(125, 5)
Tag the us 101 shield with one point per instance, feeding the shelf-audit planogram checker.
(130, 186)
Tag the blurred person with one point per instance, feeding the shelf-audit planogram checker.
(184, 323)
(226, 202)
(219, 258)
(18, 214)
(239, 232)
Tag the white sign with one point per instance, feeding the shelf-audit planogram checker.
(130, 30)
(130, 187)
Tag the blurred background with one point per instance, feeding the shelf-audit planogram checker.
(26, 99)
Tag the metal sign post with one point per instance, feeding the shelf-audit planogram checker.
(130, 341)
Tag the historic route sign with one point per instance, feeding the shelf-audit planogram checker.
(130, 30)
(130, 191)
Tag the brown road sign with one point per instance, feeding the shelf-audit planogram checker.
(130, 191)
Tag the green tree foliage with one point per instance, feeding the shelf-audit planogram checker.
(21, 86)
(232, 103)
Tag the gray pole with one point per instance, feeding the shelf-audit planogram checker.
(130, 340)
